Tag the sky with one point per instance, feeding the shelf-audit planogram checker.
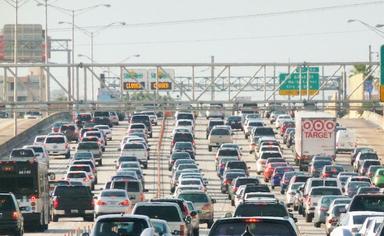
(232, 31)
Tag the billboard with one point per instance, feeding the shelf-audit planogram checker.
(164, 80)
(141, 79)
(30, 43)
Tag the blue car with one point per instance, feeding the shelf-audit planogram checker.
(284, 182)
(278, 175)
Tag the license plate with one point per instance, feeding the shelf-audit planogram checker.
(54, 146)
(74, 211)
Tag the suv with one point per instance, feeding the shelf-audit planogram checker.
(212, 123)
(218, 136)
(167, 211)
(92, 147)
(254, 226)
(72, 201)
(235, 122)
(262, 207)
(136, 149)
(11, 220)
(22, 154)
(134, 189)
(139, 118)
(215, 110)
(70, 131)
(57, 145)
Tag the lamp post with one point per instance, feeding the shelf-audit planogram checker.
(73, 13)
(129, 57)
(370, 27)
(92, 34)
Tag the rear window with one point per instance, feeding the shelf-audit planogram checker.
(55, 140)
(245, 210)
(184, 123)
(6, 203)
(80, 168)
(258, 228)
(140, 119)
(237, 165)
(194, 197)
(113, 194)
(228, 152)
(168, 213)
(365, 156)
(220, 132)
(127, 158)
(40, 139)
(101, 113)
(88, 145)
(246, 181)
(67, 127)
(233, 175)
(70, 191)
(130, 186)
(83, 154)
(76, 175)
(120, 226)
(180, 155)
(325, 191)
(183, 137)
(264, 131)
(185, 116)
(234, 118)
(38, 149)
(97, 134)
(183, 145)
(22, 153)
(321, 164)
(270, 154)
(133, 146)
(213, 123)
(367, 203)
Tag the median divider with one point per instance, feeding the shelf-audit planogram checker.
(158, 154)
(24, 137)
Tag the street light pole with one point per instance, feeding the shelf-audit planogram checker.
(15, 62)
(93, 77)
(73, 53)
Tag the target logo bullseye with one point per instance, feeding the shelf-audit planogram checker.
(307, 125)
(318, 125)
(330, 125)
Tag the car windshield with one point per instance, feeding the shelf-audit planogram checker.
(234, 118)
(243, 181)
(120, 227)
(168, 213)
(234, 175)
(245, 210)
(255, 227)
(83, 155)
(321, 164)
(367, 203)
(194, 197)
(220, 132)
(101, 113)
(190, 182)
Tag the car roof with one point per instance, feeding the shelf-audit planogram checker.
(122, 216)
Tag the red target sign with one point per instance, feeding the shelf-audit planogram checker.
(330, 125)
(307, 125)
(318, 125)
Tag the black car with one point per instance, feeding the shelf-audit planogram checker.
(72, 201)
(182, 137)
(11, 220)
(271, 208)
(102, 120)
(144, 119)
(234, 122)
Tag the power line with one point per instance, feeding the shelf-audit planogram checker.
(228, 39)
(241, 17)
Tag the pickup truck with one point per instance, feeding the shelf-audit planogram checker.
(72, 201)
(136, 149)
(92, 147)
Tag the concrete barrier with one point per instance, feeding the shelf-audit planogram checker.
(24, 137)
(369, 116)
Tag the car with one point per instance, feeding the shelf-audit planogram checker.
(33, 115)
(92, 147)
(357, 150)
(215, 111)
(72, 201)
(40, 152)
(371, 225)
(106, 131)
(372, 170)
(183, 182)
(82, 118)
(361, 157)
(70, 131)
(203, 202)
(287, 134)
(280, 119)
(250, 125)
(352, 187)
(55, 127)
(234, 122)
(140, 118)
(11, 220)
(236, 164)
(80, 155)
(264, 133)
(114, 118)
(268, 148)
(136, 149)
(182, 137)
(112, 201)
(286, 178)
(152, 116)
(378, 178)
(116, 224)
(351, 222)
(18, 154)
(257, 197)
(343, 177)
(100, 135)
(88, 168)
(39, 140)
(291, 192)
(167, 211)
(263, 157)
(277, 175)
(57, 145)
(80, 176)
(184, 147)
(227, 152)
(270, 168)
(366, 164)
(322, 208)
(312, 199)
(228, 177)
(212, 123)
(186, 124)
(368, 190)
(161, 227)
(134, 189)
(238, 226)
(333, 217)
(218, 136)
(122, 159)
(237, 182)
(195, 222)
(177, 156)
(315, 167)
(331, 171)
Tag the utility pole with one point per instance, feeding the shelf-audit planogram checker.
(212, 78)
(15, 77)
(47, 82)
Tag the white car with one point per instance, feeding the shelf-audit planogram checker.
(186, 124)
(191, 181)
(106, 130)
(79, 176)
(57, 144)
(280, 120)
(291, 192)
(351, 222)
(139, 150)
(112, 201)
(33, 115)
(39, 140)
(263, 156)
(114, 118)
(371, 226)
(180, 189)
(40, 151)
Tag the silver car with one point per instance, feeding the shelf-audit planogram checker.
(322, 208)
(112, 201)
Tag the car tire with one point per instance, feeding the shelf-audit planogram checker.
(89, 218)
(195, 232)
(308, 218)
(299, 210)
(100, 162)
(145, 166)
(20, 232)
(232, 202)
(68, 155)
(150, 135)
(103, 149)
(272, 186)
(55, 218)
(282, 191)
(295, 208)
(317, 224)
(210, 148)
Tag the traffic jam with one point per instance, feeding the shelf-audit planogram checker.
(248, 172)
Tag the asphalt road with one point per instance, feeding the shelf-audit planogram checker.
(206, 163)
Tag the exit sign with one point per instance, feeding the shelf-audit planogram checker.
(382, 73)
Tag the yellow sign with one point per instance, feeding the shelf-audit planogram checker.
(132, 86)
(161, 85)
(296, 92)
(381, 93)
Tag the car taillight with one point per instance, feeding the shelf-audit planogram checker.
(15, 215)
(100, 203)
(33, 200)
(66, 145)
(85, 179)
(124, 203)
(332, 221)
(91, 176)
(227, 181)
(206, 207)
(234, 189)
(323, 209)
(55, 203)
(309, 200)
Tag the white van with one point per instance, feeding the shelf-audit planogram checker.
(345, 141)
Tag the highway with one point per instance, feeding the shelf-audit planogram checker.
(6, 127)
(205, 159)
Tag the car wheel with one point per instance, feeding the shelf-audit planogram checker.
(68, 155)
(209, 224)
(55, 218)
(317, 224)
(210, 148)
(272, 186)
(282, 192)
(233, 202)
(145, 166)
(295, 207)
(89, 218)
(150, 135)
(308, 218)
(100, 162)
(299, 209)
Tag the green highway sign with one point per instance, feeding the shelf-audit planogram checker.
(382, 73)
(291, 85)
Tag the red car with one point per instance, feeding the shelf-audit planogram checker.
(268, 171)
(285, 125)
